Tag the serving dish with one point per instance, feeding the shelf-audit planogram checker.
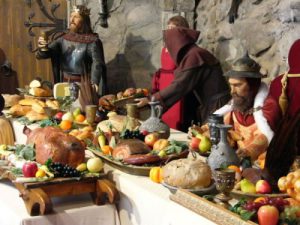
(239, 194)
(200, 191)
(126, 168)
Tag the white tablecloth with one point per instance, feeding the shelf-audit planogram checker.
(74, 210)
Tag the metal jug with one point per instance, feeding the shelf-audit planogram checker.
(222, 154)
(154, 123)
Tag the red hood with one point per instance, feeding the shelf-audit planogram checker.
(177, 38)
(294, 58)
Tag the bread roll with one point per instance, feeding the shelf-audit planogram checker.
(187, 173)
(19, 110)
(35, 116)
(39, 108)
(40, 92)
(35, 83)
(52, 104)
(27, 101)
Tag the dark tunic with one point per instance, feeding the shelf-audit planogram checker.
(198, 78)
(77, 54)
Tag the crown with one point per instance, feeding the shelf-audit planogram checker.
(82, 10)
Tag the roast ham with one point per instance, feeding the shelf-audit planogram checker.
(51, 142)
(130, 147)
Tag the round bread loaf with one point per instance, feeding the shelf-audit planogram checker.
(187, 173)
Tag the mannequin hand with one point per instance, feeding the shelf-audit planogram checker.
(142, 102)
(42, 43)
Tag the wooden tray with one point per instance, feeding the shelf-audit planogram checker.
(239, 194)
(37, 195)
(39, 98)
(131, 169)
(207, 209)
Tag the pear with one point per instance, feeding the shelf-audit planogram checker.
(247, 186)
(76, 112)
(205, 144)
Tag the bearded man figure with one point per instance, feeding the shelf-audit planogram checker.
(252, 113)
(77, 52)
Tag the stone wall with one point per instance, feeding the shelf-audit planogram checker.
(133, 39)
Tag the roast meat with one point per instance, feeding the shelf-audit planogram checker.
(51, 142)
(130, 147)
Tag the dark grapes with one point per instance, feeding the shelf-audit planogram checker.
(136, 134)
(61, 170)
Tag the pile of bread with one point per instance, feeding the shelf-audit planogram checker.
(40, 89)
(33, 109)
(107, 101)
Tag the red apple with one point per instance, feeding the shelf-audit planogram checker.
(150, 139)
(194, 143)
(263, 187)
(268, 215)
(29, 169)
(59, 115)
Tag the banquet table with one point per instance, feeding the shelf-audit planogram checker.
(142, 202)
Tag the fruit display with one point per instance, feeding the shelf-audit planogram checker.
(291, 184)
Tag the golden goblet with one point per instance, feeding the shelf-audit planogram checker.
(225, 179)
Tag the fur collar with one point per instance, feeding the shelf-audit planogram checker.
(259, 118)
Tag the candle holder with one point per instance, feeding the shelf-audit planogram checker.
(224, 179)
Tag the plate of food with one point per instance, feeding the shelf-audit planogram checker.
(198, 191)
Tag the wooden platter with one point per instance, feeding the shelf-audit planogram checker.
(126, 168)
(207, 209)
(239, 194)
(37, 195)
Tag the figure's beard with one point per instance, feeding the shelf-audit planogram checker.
(74, 28)
(242, 103)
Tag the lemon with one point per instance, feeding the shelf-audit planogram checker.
(94, 165)
(40, 173)
(81, 167)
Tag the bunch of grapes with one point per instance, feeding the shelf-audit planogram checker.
(61, 170)
(279, 203)
(291, 215)
(136, 134)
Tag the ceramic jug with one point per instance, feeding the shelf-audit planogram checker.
(154, 122)
(222, 154)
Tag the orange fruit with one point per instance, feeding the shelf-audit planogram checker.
(259, 199)
(80, 118)
(65, 125)
(106, 149)
(235, 168)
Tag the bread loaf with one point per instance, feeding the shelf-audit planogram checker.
(52, 104)
(35, 116)
(38, 106)
(40, 92)
(187, 173)
(19, 110)
(27, 101)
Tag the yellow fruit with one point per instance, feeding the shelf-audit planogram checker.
(65, 125)
(156, 174)
(282, 184)
(80, 118)
(40, 173)
(81, 167)
(94, 165)
(3, 147)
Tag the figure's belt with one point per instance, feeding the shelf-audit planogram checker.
(293, 75)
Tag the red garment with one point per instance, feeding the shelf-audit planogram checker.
(293, 90)
(162, 79)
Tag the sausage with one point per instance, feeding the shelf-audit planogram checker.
(139, 159)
